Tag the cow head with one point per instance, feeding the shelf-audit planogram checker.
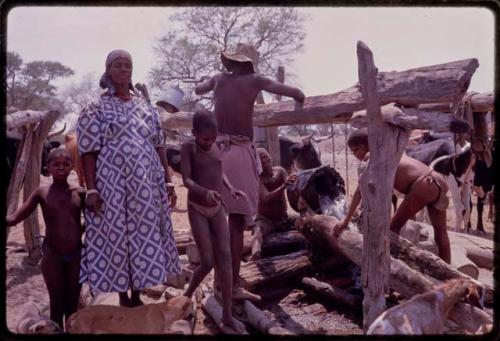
(306, 154)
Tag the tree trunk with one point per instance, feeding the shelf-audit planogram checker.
(330, 291)
(431, 84)
(387, 144)
(212, 307)
(402, 278)
(408, 118)
(32, 181)
(272, 269)
(260, 322)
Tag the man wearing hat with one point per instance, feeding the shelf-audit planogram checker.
(235, 92)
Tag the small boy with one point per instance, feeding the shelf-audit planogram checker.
(421, 186)
(272, 209)
(235, 92)
(62, 206)
(203, 177)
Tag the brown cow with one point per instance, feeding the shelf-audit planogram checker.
(71, 147)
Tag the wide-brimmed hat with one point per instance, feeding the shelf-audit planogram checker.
(173, 96)
(227, 58)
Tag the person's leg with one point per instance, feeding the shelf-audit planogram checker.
(135, 298)
(72, 286)
(480, 207)
(236, 228)
(219, 232)
(410, 206)
(53, 275)
(124, 299)
(438, 221)
(201, 234)
(262, 228)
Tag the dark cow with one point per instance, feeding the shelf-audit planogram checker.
(440, 155)
(300, 155)
(173, 153)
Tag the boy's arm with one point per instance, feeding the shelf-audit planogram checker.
(356, 198)
(189, 183)
(277, 88)
(266, 196)
(208, 84)
(25, 210)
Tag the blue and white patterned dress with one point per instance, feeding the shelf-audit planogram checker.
(130, 243)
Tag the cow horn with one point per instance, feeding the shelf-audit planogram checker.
(57, 132)
(308, 138)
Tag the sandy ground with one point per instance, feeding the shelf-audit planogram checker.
(24, 282)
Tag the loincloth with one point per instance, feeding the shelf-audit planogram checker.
(442, 201)
(206, 211)
(242, 167)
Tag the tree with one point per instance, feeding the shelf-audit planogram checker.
(76, 96)
(191, 48)
(30, 85)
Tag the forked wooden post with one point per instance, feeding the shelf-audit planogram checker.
(273, 143)
(386, 145)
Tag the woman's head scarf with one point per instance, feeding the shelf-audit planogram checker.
(106, 82)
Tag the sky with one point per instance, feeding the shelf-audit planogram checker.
(400, 39)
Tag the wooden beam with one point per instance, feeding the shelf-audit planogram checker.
(25, 117)
(263, 271)
(331, 291)
(387, 144)
(430, 84)
(402, 277)
(408, 118)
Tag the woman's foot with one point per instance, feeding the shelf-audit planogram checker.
(124, 299)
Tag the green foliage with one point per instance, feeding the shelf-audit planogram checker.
(191, 49)
(30, 85)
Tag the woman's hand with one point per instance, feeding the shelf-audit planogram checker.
(93, 203)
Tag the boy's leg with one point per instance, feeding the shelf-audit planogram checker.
(438, 221)
(53, 275)
(72, 286)
(135, 298)
(201, 234)
(221, 242)
(236, 228)
(480, 207)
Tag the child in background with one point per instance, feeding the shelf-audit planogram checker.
(62, 205)
(203, 177)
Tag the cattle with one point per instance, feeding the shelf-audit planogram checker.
(70, 144)
(440, 155)
(13, 146)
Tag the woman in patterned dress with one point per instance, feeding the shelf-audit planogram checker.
(129, 242)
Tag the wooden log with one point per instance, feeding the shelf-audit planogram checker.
(257, 273)
(402, 278)
(481, 102)
(331, 291)
(213, 309)
(26, 117)
(182, 238)
(282, 242)
(376, 183)
(408, 118)
(430, 84)
(32, 181)
(463, 264)
(259, 321)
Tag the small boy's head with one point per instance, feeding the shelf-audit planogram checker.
(59, 163)
(204, 128)
(358, 143)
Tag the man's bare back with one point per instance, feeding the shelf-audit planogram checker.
(407, 171)
(235, 95)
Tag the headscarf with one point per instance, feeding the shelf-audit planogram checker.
(106, 82)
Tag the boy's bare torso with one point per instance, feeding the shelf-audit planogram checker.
(274, 210)
(206, 170)
(61, 209)
(234, 97)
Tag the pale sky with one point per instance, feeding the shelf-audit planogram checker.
(400, 38)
